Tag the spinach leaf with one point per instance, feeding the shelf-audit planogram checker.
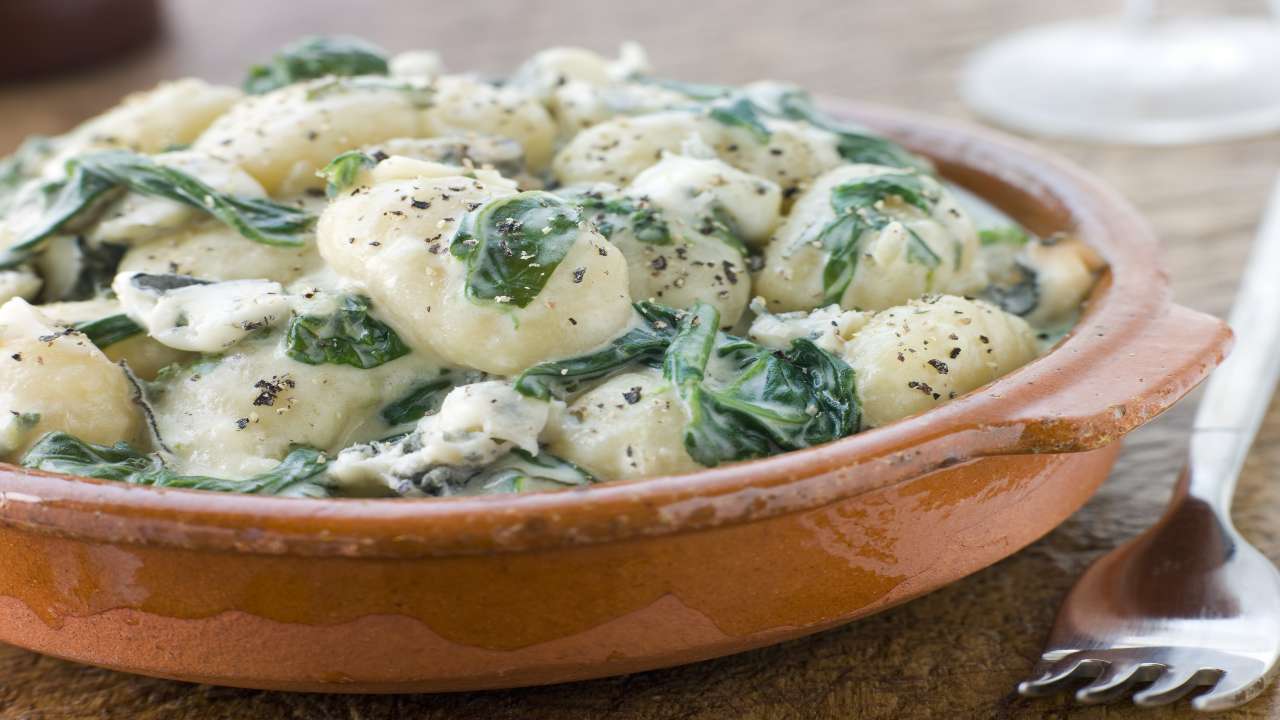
(73, 269)
(63, 453)
(744, 114)
(754, 401)
(314, 57)
(722, 225)
(341, 172)
(418, 94)
(421, 401)
(520, 471)
(511, 245)
(1011, 235)
(158, 284)
(644, 344)
(854, 144)
(92, 176)
(349, 336)
(21, 166)
(694, 91)
(109, 330)
(608, 215)
(858, 206)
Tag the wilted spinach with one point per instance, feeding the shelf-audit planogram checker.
(854, 144)
(741, 113)
(59, 452)
(753, 401)
(92, 176)
(511, 245)
(21, 166)
(421, 401)
(1010, 235)
(109, 330)
(858, 209)
(644, 344)
(519, 471)
(341, 172)
(314, 57)
(608, 215)
(348, 336)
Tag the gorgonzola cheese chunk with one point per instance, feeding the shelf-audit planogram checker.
(55, 380)
(630, 426)
(393, 238)
(476, 425)
(916, 356)
(189, 314)
(913, 251)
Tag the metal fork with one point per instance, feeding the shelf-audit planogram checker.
(1189, 603)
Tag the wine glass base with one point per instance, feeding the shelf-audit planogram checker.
(1191, 80)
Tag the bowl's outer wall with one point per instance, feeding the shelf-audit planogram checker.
(430, 624)
(491, 592)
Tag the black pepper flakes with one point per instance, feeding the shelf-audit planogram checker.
(578, 274)
(940, 366)
(632, 396)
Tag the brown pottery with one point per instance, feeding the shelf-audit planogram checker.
(468, 593)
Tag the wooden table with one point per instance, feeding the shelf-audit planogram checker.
(954, 654)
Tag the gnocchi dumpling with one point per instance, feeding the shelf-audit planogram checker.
(57, 380)
(916, 356)
(214, 251)
(630, 426)
(870, 237)
(396, 239)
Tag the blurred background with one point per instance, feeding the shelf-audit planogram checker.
(954, 654)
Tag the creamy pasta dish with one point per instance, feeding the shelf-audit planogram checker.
(361, 275)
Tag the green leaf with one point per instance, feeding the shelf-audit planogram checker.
(343, 171)
(349, 336)
(858, 207)
(314, 57)
(694, 91)
(754, 402)
(109, 330)
(519, 471)
(744, 114)
(92, 176)
(854, 143)
(421, 401)
(608, 215)
(1011, 235)
(21, 166)
(644, 344)
(511, 245)
(418, 94)
(722, 225)
(62, 453)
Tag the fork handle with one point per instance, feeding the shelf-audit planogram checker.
(1238, 394)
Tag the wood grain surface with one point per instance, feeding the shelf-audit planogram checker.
(954, 654)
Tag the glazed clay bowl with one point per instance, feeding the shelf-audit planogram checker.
(468, 593)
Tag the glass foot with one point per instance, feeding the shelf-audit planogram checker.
(1184, 81)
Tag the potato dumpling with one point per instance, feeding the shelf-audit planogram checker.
(394, 238)
(213, 251)
(617, 150)
(461, 106)
(899, 251)
(55, 380)
(238, 414)
(696, 193)
(629, 427)
(145, 356)
(283, 137)
(169, 115)
(911, 358)
(1065, 270)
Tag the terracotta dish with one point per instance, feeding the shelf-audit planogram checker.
(500, 591)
